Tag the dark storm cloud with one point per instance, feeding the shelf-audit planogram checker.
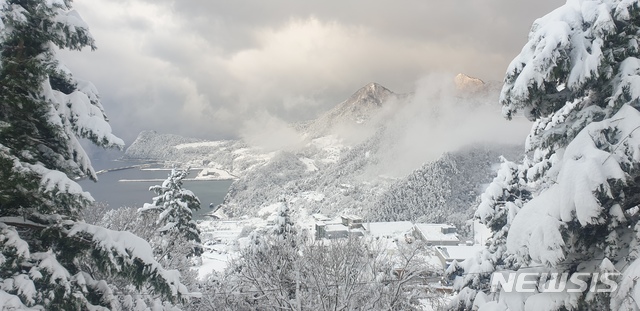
(203, 68)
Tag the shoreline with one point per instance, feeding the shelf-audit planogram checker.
(163, 179)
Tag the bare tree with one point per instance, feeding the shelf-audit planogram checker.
(348, 274)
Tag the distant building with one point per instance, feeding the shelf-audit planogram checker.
(393, 229)
(350, 225)
(352, 221)
(447, 254)
(320, 217)
(436, 234)
(336, 231)
(271, 220)
(321, 230)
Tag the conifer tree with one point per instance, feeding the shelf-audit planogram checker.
(502, 200)
(175, 206)
(44, 112)
(578, 80)
(284, 228)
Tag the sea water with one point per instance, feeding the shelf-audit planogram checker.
(130, 187)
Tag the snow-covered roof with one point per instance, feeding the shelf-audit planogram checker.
(351, 217)
(336, 227)
(434, 232)
(459, 252)
(320, 217)
(383, 229)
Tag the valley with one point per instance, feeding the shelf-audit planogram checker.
(328, 172)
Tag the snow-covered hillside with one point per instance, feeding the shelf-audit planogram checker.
(223, 157)
(443, 191)
(350, 160)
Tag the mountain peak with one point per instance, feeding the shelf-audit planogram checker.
(464, 82)
(357, 109)
(374, 86)
(371, 93)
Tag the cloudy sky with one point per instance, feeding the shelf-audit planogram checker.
(207, 68)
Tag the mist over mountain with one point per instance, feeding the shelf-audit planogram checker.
(362, 109)
(386, 156)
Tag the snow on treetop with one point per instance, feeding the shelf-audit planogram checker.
(52, 180)
(52, 3)
(73, 19)
(12, 302)
(582, 173)
(128, 245)
(9, 236)
(569, 39)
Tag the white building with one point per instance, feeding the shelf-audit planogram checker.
(436, 234)
(336, 231)
(389, 230)
(448, 253)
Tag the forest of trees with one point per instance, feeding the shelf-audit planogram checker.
(442, 191)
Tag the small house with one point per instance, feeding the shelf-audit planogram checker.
(448, 253)
(389, 230)
(436, 234)
(352, 221)
(336, 231)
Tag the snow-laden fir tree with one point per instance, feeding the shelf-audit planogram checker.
(174, 206)
(499, 204)
(573, 207)
(144, 226)
(44, 111)
(284, 228)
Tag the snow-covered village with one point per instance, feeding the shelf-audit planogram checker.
(287, 155)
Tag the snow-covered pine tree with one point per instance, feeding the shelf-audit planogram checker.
(284, 228)
(499, 204)
(175, 206)
(578, 79)
(44, 111)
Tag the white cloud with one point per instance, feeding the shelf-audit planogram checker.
(203, 68)
(270, 133)
(439, 119)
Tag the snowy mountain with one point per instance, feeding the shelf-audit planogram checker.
(467, 83)
(152, 145)
(333, 173)
(309, 182)
(443, 191)
(471, 87)
(364, 106)
(326, 137)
